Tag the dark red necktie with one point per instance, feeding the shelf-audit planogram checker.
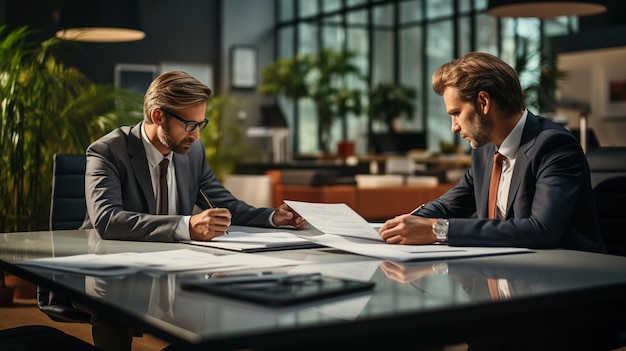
(163, 203)
(493, 185)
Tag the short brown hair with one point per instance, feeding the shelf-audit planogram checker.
(478, 71)
(173, 90)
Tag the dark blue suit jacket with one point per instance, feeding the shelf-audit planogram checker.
(550, 204)
(120, 201)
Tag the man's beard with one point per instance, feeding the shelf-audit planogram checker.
(167, 141)
(480, 134)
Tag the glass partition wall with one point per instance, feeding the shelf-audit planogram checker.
(403, 42)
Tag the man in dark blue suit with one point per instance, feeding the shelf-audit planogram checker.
(544, 198)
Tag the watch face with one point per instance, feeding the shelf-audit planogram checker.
(441, 229)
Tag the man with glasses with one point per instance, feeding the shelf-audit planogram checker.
(127, 199)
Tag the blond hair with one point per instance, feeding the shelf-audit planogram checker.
(173, 90)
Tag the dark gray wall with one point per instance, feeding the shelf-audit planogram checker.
(176, 31)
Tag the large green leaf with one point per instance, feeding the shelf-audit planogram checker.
(46, 107)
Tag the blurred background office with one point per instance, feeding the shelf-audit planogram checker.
(394, 41)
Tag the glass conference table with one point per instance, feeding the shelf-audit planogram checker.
(422, 304)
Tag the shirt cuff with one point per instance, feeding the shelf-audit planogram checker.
(270, 219)
(182, 229)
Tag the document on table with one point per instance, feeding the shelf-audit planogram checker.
(346, 230)
(257, 242)
(158, 261)
(337, 219)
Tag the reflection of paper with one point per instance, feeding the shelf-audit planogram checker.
(400, 253)
(348, 309)
(160, 261)
(336, 219)
(361, 271)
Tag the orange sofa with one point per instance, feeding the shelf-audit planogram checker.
(372, 203)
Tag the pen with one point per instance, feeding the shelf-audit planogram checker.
(206, 198)
(418, 288)
(419, 208)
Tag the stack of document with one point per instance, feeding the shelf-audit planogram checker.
(257, 242)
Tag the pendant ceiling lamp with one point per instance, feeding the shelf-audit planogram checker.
(545, 9)
(100, 21)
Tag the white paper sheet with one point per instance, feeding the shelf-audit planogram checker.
(337, 219)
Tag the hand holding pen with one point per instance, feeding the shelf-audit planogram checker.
(210, 223)
(206, 198)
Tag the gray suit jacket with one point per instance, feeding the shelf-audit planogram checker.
(550, 205)
(120, 201)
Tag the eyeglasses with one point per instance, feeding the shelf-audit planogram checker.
(190, 126)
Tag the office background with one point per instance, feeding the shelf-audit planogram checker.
(395, 41)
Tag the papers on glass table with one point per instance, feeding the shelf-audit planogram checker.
(158, 261)
(347, 230)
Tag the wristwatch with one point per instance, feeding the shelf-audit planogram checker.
(440, 228)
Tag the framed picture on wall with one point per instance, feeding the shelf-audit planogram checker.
(613, 92)
(243, 67)
(135, 77)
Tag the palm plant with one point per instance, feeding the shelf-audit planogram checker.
(46, 107)
(327, 78)
(540, 95)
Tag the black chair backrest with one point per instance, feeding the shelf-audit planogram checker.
(68, 207)
(610, 195)
(67, 211)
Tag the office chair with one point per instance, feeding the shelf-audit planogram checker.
(610, 196)
(67, 211)
(68, 206)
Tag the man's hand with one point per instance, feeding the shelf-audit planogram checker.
(405, 273)
(285, 215)
(209, 224)
(408, 229)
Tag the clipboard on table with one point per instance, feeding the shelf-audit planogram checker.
(257, 242)
(278, 289)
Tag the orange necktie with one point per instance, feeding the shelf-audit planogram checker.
(494, 291)
(493, 194)
(493, 185)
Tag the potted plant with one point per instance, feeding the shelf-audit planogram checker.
(223, 136)
(541, 94)
(388, 102)
(324, 78)
(47, 108)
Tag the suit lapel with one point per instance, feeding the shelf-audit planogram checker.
(521, 159)
(138, 162)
